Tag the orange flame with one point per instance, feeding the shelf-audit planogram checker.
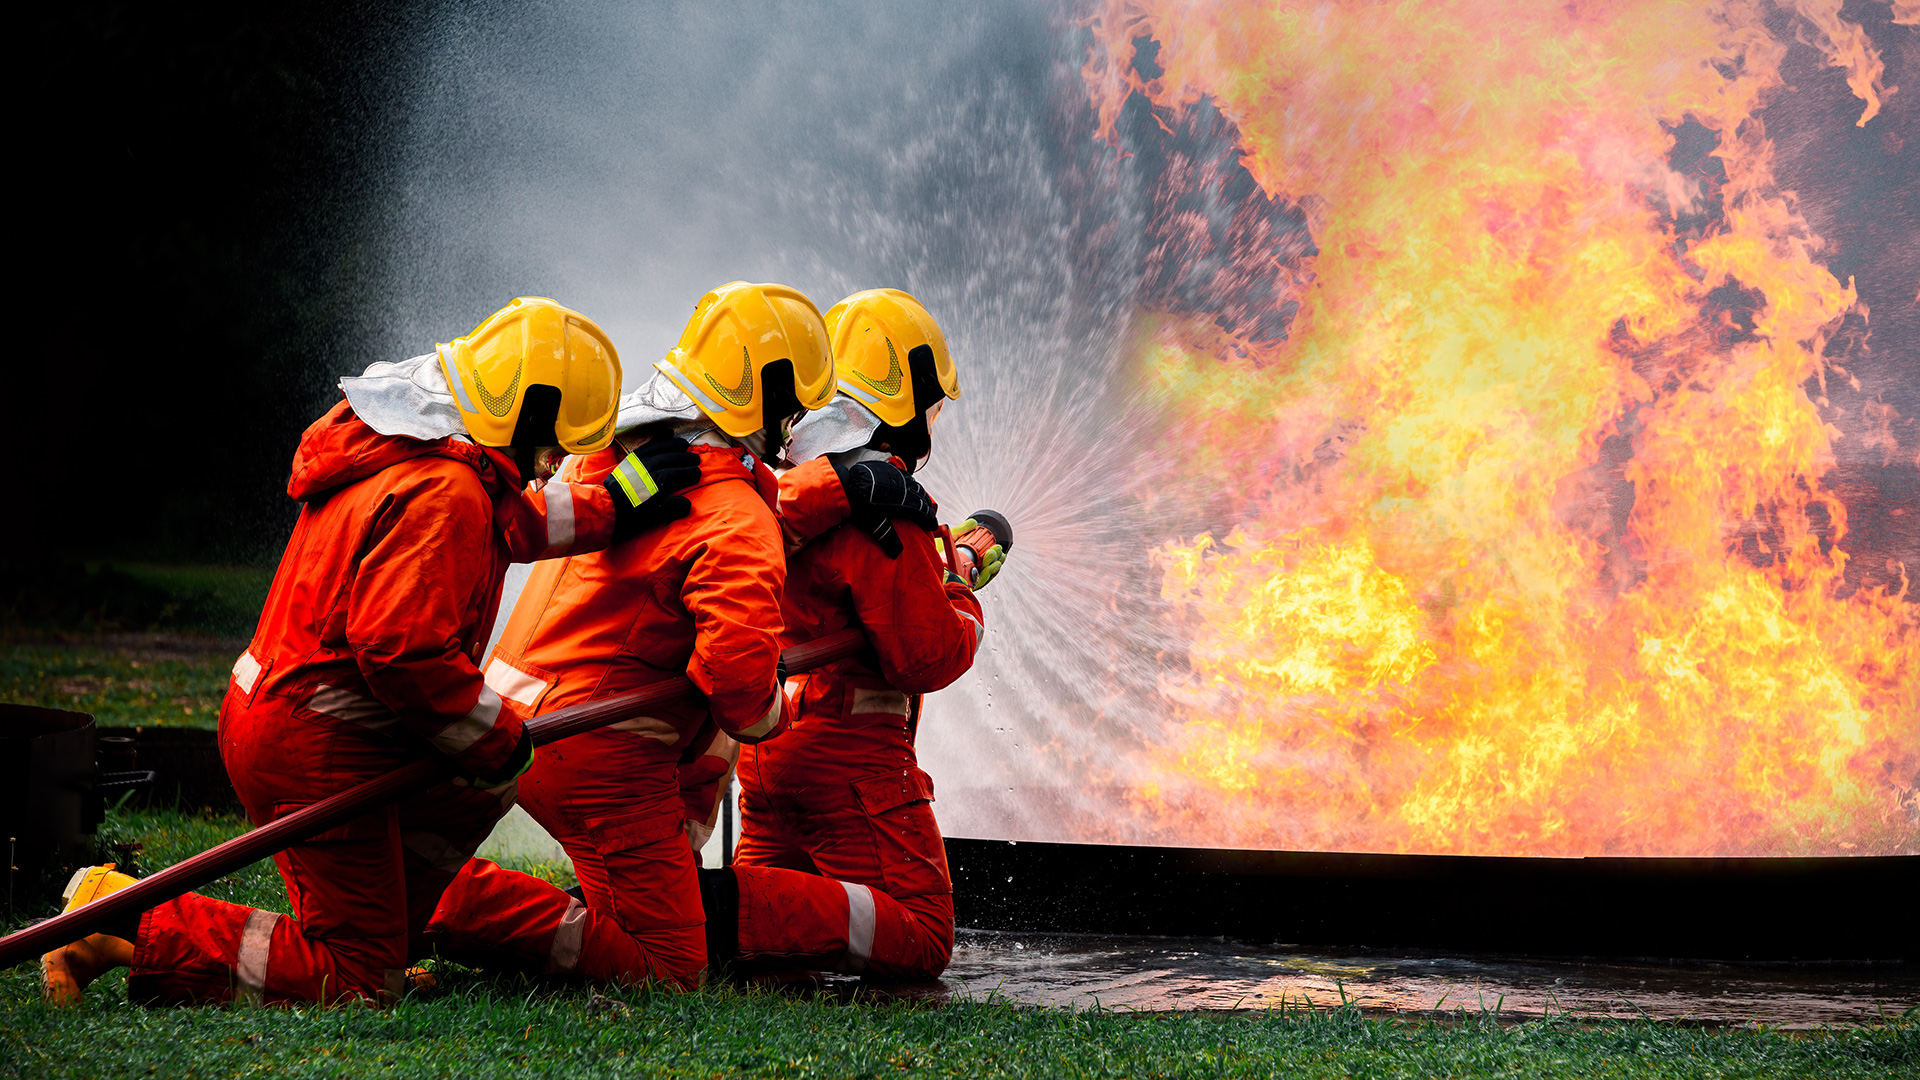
(1566, 582)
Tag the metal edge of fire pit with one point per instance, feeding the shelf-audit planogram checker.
(188, 772)
(1823, 909)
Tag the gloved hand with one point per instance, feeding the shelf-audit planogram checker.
(878, 492)
(643, 486)
(517, 763)
(990, 563)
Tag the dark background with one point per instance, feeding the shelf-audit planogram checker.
(201, 193)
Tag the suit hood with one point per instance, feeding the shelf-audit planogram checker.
(340, 449)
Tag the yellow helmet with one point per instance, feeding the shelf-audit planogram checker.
(737, 332)
(878, 337)
(535, 357)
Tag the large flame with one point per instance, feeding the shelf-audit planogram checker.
(1529, 551)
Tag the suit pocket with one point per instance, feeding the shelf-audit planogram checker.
(636, 828)
(907, 843)
(879, 794)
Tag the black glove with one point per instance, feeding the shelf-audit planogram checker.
(517, 762)
(643, 486)
(878, 492)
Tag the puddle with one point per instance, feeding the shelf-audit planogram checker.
(1159, 974)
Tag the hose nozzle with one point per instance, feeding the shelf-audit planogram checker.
(969, 550)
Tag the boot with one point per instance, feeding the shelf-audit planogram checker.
(66, 971)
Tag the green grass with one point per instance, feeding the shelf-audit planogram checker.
(494, 1025)
(220, 600)
(136, 645)
(68, 596)
(122, 683)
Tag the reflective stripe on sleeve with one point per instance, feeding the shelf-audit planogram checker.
(513, 684)
(437, 851)
(250, 964)
(560, 526)
(767, 723)
(979, 631)
(246, 671)
(343, 704)
(888, 702)
(472, 727)
(636, 481)
(860, 921)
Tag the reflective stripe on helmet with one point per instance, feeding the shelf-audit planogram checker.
(856, 393)
(700, 397)
(454, 380)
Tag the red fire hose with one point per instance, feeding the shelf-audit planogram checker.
(282, 833)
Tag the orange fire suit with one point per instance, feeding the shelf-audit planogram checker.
(699, 596)
(840, 863)
(365, 659)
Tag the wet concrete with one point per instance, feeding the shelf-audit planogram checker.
(1158, 974)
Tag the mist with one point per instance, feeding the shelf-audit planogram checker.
(626, 161)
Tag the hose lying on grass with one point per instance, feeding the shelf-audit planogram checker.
(278, 835)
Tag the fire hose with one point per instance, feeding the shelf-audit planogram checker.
(282, 833)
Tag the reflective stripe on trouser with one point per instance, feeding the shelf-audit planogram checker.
(612, 800)
(795, 917)
(806, 854)
(360, 894)
(496, 918)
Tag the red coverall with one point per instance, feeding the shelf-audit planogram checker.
(700, 596)
(364, 660)
(840, 863)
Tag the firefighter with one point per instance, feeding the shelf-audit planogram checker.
(841, 865)
(699, 597)
(416, 492)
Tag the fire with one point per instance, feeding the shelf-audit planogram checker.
(1528, 550)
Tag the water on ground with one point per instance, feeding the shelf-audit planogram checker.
(1166, 974)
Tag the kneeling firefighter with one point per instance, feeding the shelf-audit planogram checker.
(416, 492)
(700, 597)
(840, 863)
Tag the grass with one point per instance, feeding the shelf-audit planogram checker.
(136, 645)
(223, 601)
(494, 1025)
(123, 682)
(68, 596)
